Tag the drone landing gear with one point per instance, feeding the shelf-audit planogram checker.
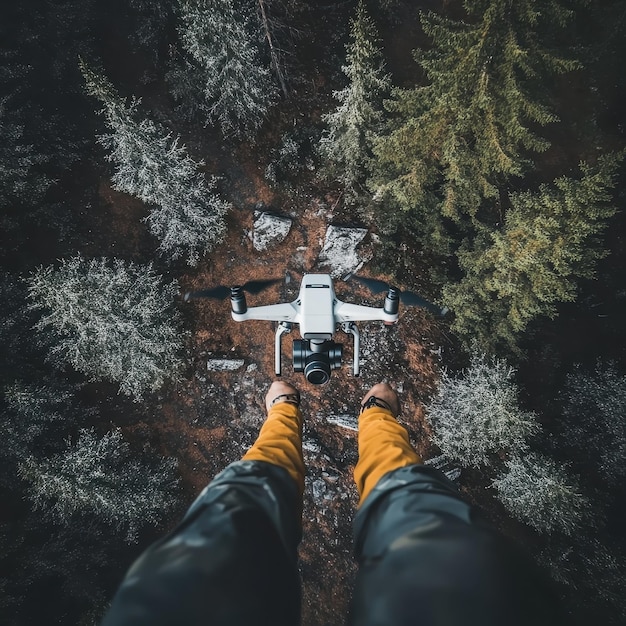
(351, 327)
(281, 329)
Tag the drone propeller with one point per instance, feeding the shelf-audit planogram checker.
(221, 292)
(406, 297)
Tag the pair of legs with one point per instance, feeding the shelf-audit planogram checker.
(383, 443)
(424, 555)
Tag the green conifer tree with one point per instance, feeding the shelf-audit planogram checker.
(347, 143)
(551, 238)
(469, 128)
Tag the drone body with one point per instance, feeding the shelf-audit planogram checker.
(319, 314)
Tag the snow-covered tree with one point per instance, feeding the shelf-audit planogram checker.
(476, 414)
(223, 39)
(186, 215)
(594, 419)
(348, 141)
(542, 494)
(101, 476)
(20, 182)
(112, 321)
(32, 417)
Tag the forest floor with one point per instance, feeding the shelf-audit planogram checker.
(209, 419)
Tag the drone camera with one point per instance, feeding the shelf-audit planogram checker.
(316, 359)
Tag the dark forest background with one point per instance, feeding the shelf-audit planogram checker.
(481, 141)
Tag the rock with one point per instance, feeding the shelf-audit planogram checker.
(269, 230)
(224, 365)
(309, 445)
(350, 422)
(339, 250)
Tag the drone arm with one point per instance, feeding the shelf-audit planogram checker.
(346, 312)
(284, 312)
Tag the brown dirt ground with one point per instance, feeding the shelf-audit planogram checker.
(208, 419)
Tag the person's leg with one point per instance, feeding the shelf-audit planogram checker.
(383, 441)
(424, 554)
(233, 558)
(280, 439)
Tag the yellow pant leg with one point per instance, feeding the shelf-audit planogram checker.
(280, 441)
(383, 446)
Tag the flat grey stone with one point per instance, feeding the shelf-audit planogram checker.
(351, 422)
(224, 365)
(269, 230)
(339, 250)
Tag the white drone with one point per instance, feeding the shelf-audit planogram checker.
(319, 314)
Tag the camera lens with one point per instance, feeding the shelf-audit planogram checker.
(317, 372)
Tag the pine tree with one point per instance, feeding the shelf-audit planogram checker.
(222, 38)
(541, 493)
(186, 215)
(468, 129)
(21, 182)
(33, 415)
(476, 414)
(110, 320)
(102, 477)
(591, 571)
(348, 141)
(594, 420)
(151, 19)
(551, 238)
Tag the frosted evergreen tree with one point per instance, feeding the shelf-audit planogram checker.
(20, 181)
(594, 419)
(542, 494)
(223, 39)
(102, 477)
(476, 414)
(33, 415)
(186, 215)
(112, 321)
(351, 126)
